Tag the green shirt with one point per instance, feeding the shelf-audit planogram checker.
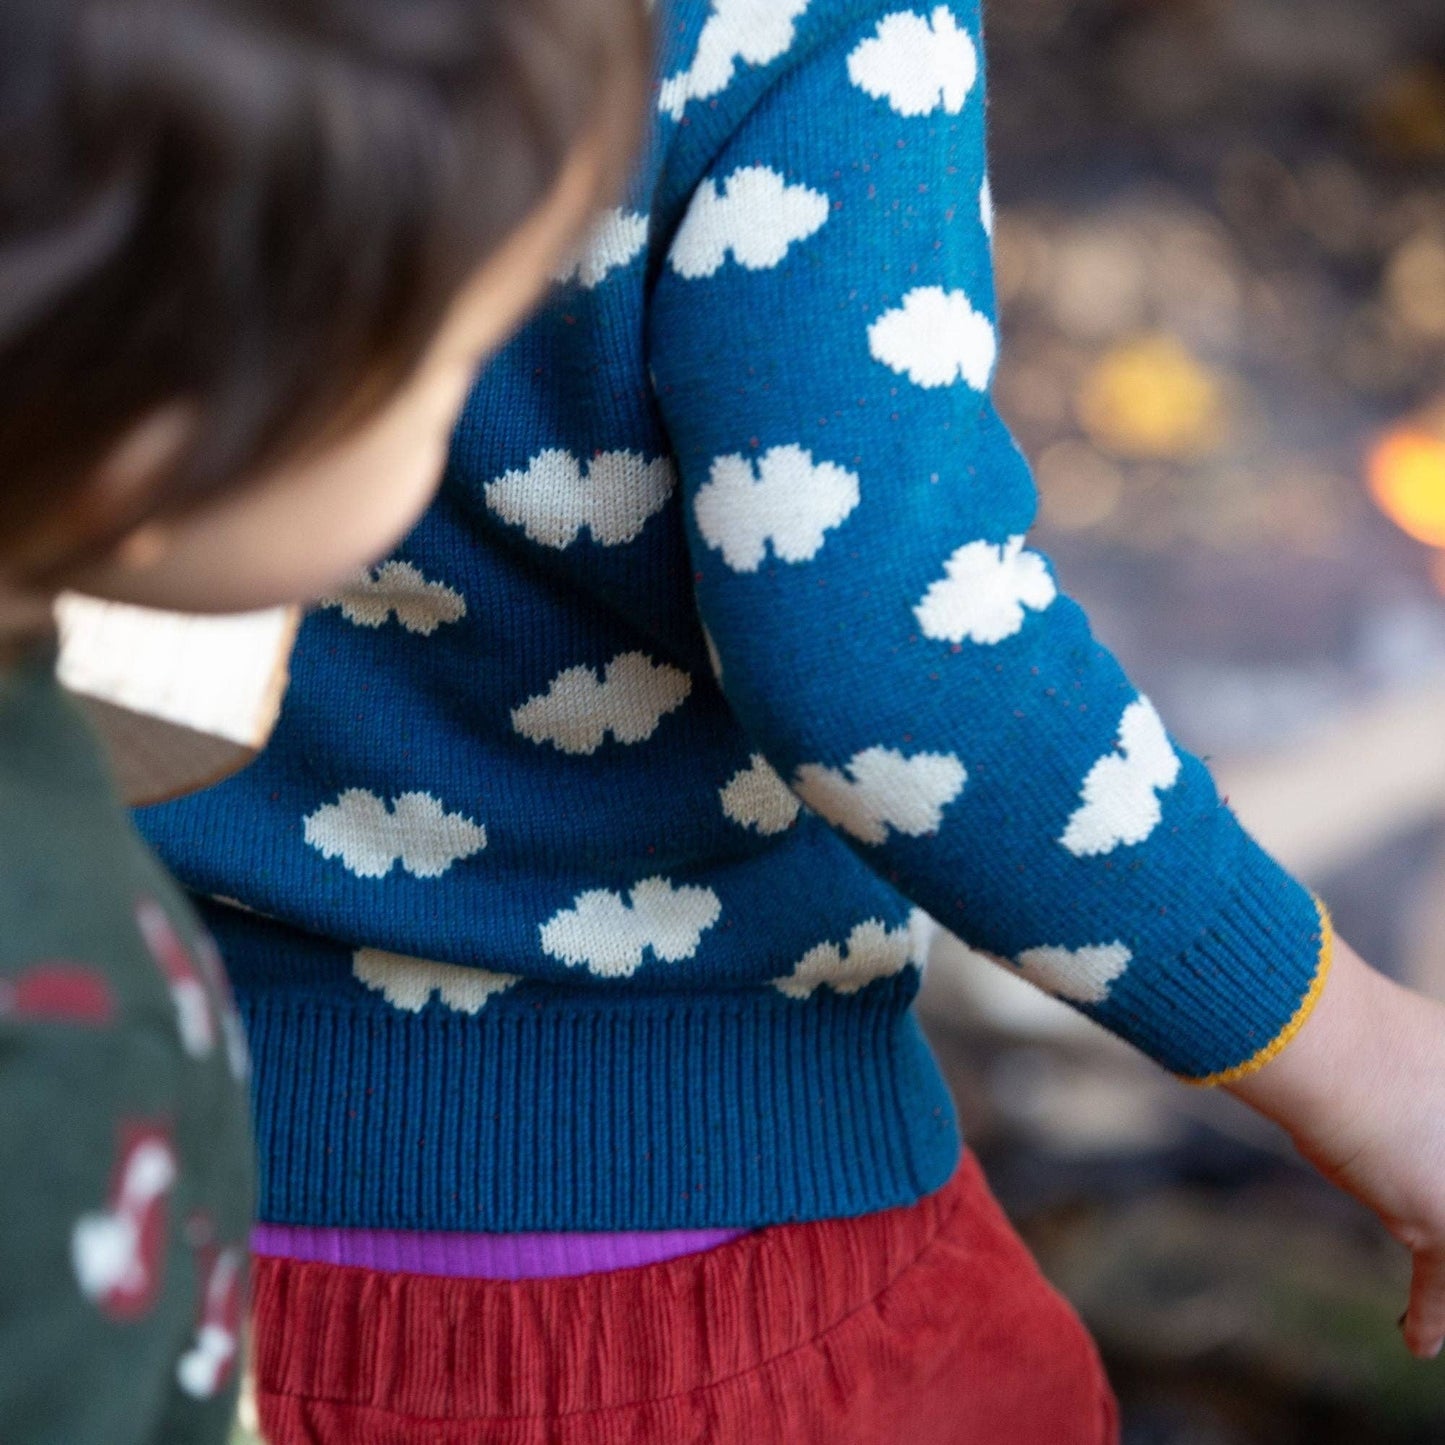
(128, 1169)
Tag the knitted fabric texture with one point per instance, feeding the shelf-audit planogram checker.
(589, 865)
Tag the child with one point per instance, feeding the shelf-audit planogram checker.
(590, 1102)
(250, 256)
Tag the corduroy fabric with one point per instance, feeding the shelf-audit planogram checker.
(928, 1325)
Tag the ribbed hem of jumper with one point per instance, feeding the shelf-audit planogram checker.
(1240, 988)
(695, 1111)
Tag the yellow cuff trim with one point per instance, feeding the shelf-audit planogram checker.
(1296, 1023)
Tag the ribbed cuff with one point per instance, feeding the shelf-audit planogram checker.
(1237, 996)
(1281, 1040)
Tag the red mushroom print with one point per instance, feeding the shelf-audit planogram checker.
(58, 992)
(206, 1368)
(183, 977)
(118, 1252)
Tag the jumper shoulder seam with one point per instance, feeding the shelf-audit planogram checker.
(659, 246)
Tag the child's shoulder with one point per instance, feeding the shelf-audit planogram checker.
(711, 52)
(91, 929)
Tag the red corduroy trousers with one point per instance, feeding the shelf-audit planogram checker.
(926, 1325)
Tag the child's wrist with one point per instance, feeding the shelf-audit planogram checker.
(1312, 1086)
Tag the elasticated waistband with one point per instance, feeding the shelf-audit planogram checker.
(453, 1349)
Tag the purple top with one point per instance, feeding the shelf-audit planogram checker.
(485, 1256)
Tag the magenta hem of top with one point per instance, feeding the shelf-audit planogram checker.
(484, 1256)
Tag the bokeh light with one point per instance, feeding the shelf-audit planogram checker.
(1150, 397)
(1407, 480)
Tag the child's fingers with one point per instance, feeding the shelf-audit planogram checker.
(1424, 1322)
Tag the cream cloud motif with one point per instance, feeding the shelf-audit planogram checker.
(409, 983)
(935, 338)
(790, 502)
(756, 215)
(616, 239)
(871, 951)
(984, 591)
(579, 709)
(879, 789)
(553, 499)
(370, 839)
(398, 589)
(756, 797)
(753, 32)
(608, 934)
(1120, 803)
(917, 65)
(1083, 974)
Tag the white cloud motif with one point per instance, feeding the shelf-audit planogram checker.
(756, 797)
(791, 502)
(608, 934)
(578, 709)
(918, 65)
(879, 789)
(616, 239)
(409, 983)
(985, 207)
(984, 591)
(399, 589)
(935, 338)
(370, 839)
(922, 930)
(871, 952)
(553, 500)
(1120, 804)
(756, 215)
(755, 32)
(1083, 974)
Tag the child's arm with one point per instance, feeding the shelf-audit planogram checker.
(821, 339)
(1362, 1093)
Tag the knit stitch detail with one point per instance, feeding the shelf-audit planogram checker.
(1282, 1040)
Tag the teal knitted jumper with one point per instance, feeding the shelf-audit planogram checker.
(582, 883)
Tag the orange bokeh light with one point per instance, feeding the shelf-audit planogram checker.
(1407, 480)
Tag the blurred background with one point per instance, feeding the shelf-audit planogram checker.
(1221, 264)
(1221, 267)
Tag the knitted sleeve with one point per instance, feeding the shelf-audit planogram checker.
(821, 339)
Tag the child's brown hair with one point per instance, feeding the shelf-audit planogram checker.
(260, 209)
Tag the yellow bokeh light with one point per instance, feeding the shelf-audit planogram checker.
(1407, 480)
(1149, 398)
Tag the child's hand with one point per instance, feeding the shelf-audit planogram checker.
(1361, 1090)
